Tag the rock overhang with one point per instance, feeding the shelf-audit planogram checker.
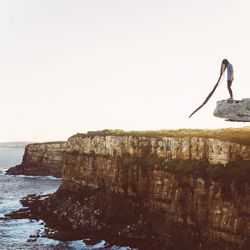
(233, 110)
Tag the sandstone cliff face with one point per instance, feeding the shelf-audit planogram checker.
(124, 185)
(41, 159)
(215, 211)
(215, 151)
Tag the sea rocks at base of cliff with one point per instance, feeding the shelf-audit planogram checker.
(76, 213)
(233, 110)
(91, 213)
(41, 159)
(33, 205)
(34, 170)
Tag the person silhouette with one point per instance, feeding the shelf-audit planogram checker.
(226, 65)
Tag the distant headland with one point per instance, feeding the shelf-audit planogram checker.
(15, 144)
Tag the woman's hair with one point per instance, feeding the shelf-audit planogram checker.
(224, 62)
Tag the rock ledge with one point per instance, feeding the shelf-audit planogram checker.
(236, 110)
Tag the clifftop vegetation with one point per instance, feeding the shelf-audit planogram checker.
(239, 135)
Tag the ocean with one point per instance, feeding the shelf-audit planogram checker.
(19, 234)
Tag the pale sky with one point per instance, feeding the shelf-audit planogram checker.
(69, 66)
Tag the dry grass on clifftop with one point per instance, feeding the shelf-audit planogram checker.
(238, 135)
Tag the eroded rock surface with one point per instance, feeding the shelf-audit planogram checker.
(238, 111)
(185, 148)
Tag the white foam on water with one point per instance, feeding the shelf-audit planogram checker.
(8, 205)
(47, 241)
(40, 177)
(3, 170)
(77, 244)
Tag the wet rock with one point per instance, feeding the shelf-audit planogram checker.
(20, 214)
(34, 236)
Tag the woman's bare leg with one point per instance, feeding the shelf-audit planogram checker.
(229, 84)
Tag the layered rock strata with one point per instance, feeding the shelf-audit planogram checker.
(160, 192)
(183, 148)
(217, 211)
(41, 159)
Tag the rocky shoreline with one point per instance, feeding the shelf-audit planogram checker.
(120, 228)
(78, 216)
(78, 213)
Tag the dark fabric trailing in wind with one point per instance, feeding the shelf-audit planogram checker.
(222, 70)
(208, 97)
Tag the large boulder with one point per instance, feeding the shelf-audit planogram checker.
(233, 110)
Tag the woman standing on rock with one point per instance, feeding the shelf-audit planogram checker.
(230, 75)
